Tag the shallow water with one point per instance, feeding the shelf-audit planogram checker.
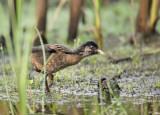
(138, 96)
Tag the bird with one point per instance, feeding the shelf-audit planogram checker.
(59, 57)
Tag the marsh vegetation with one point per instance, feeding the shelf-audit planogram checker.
(75, 90)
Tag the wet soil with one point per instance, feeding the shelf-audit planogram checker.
(75, 88)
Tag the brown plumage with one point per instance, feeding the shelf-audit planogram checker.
(59, 57)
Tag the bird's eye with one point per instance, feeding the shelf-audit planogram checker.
(91, 47)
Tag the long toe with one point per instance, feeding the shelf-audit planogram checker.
(46, 84)
(47, 89)
(50, 80)
(50, 84)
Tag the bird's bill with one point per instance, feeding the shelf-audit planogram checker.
(100, 52)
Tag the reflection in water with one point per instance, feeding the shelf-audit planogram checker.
(7, 108)
(89, 105)
(4, 108)
(61, 109)
(76, 111)
(152, 107)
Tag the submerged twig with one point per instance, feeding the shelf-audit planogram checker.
(130, 58)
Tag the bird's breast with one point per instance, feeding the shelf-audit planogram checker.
(61, 60)
(73, 59)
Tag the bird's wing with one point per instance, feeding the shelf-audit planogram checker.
(61, 48)
(46, 47)
(53, 49)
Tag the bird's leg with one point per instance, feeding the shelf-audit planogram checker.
(50, 78)
(46, 84)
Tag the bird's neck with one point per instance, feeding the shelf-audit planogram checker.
(79, 51)
(73, 58)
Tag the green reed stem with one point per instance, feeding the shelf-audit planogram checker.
(98, 34)
(19, 5)
(19, 57)
(44, 61)
(5, 81)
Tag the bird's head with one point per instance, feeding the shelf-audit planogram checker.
(89, 48)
